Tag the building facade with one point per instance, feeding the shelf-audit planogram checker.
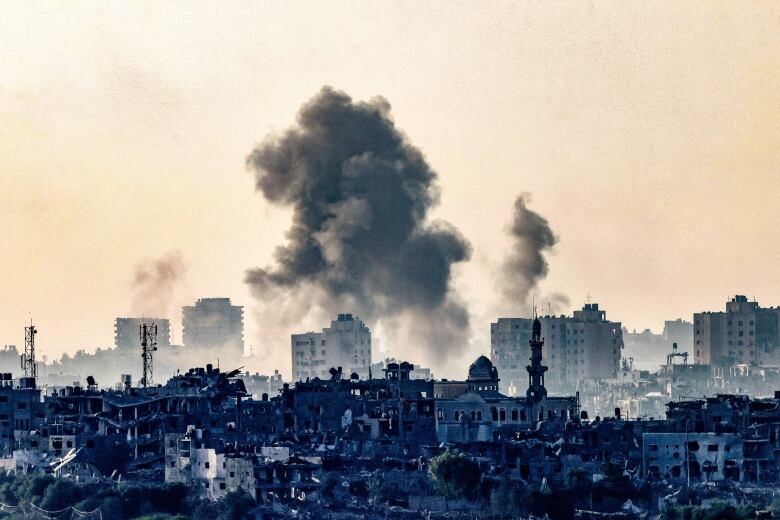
(475, 411)
(744, 334)
(126, 332)
(582, 346)
(21, 409)
(679, 331)
(346, 343)
(214, 323)
(695, 457)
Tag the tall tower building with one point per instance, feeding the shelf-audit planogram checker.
(215, 325)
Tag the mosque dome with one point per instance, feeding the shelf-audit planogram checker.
(482, 369)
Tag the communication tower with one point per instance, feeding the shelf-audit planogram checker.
(29, 365)
(148, 335)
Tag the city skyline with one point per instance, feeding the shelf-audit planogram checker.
(129, 143)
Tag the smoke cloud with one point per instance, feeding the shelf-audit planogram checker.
(526, 265)
(360, 240)
(155, 282)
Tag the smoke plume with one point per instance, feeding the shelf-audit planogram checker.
(359, 239)
(155, 282)
(526, 265)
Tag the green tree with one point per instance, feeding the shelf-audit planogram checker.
(237, 505)
(454, 475)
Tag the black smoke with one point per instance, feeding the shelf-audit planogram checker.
(360, 194)
(531, 238)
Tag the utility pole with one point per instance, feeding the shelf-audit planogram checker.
(148, 336)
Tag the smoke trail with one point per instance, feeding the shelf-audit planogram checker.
(526, 265)
(359, 239)
(154, 284)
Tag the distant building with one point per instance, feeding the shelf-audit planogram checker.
(646, 350)
(261, 385)
(346, 343)
(576, 347)
(509, 351)
(744, 334)
(126, 332)
(21, 409)
(680, 332)
(417, 371)
(474, 410)
(214, 323)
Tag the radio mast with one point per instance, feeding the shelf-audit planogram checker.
(29, 365)
(148, 335)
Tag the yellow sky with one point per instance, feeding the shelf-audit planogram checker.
(648, 133)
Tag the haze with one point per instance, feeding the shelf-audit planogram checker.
(647, 134)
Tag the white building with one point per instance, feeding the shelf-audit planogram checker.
(213, 475)
(346, 343)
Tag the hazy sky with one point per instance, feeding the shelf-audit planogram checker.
(647, 132)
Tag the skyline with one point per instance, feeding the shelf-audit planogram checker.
(124, 140)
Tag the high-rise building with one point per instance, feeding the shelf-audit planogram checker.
(582, 346)
(509, 339)
(346, 344)
(214, 324)
(744, 334)
(126, 332)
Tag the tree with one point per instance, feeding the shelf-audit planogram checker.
(236, 505)
(454, 475)
(615, 484)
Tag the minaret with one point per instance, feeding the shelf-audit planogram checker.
(536, 390)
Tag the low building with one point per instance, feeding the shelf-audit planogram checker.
(21, 409)
(191, 460)
(694, 457)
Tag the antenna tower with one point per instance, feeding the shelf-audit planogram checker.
(148, 335)
(29, 365)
